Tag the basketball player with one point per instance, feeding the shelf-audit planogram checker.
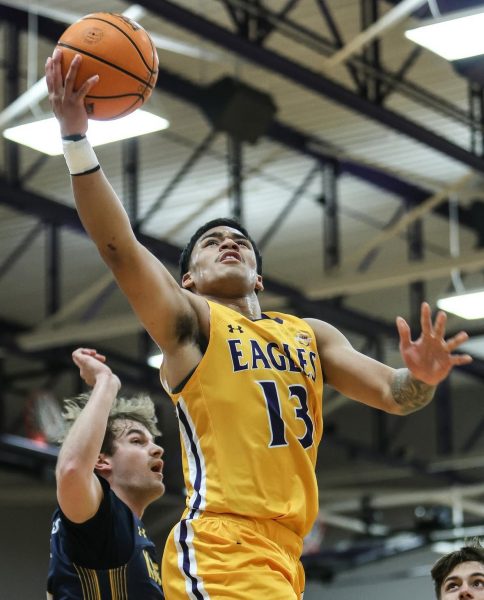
(459, 575)
(247, 386)
(108, 471)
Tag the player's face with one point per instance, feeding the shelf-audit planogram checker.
(464, 582)
(223, 263)
(136, 464)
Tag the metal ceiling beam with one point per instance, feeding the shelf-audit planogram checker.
(317, 148)
(301, 142)
(289, 205)
(21, 247)
(278, 131)
(133, 372)
(50, 211)
(337, 38)
(182, 172)
(348, 282)
(268, 28)
(390, 19)
(414, 214)
(309, 79)
(295, 32)
(54, 212)
(81, 299)
(383, 500)
(78, 332)
(445, 6)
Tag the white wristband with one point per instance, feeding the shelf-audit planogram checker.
(80, 156)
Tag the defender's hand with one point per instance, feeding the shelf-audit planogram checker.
(92, 366)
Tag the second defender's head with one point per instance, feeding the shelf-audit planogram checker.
(460, 574)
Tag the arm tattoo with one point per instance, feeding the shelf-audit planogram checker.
(410, 393)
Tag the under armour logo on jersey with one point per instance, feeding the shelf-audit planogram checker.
(142, 532)
(237, 328)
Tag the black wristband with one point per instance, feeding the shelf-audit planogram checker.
(93, 170)
(74, 137)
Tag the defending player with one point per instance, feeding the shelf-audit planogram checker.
(108, 471)
(247, 386)
(459, 575)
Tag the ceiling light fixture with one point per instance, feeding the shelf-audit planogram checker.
(44, 135)
(455, 36)
(469, 305)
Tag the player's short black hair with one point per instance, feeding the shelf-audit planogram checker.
(448, 562)
(187, 251)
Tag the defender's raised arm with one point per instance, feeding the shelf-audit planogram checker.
(79, 492)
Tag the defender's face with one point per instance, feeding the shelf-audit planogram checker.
(464, 582)
(136, 464)
(223, 262)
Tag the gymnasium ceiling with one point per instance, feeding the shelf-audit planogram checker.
(365, 192)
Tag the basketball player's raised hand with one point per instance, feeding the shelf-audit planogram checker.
(430, 358)
(67, 102)
(92, 366)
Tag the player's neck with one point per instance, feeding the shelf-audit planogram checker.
(135, 504)
(246, 305)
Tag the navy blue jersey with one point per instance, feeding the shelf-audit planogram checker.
(109, 557)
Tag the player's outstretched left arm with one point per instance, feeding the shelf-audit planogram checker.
(428, 361)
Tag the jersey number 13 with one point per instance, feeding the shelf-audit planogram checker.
(298, 395)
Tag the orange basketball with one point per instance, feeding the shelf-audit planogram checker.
(123, 55)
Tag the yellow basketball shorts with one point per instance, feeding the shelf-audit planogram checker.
(212, 556)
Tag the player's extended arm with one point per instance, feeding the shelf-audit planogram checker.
(79, 492)
(153, 293)
(399, 391)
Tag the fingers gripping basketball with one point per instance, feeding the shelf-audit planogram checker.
(123, 55)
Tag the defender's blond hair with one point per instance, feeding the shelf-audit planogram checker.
(139, 408)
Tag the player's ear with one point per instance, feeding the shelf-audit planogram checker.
(103, 465)
(259, 285)
(187, 281)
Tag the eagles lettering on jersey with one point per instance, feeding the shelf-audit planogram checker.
(272, 356)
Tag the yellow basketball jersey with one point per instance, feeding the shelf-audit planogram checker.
(250, 419)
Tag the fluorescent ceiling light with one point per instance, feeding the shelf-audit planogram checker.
(468, 306)
(458, 35)
(474, 346)
(155, 360)
(44, 135)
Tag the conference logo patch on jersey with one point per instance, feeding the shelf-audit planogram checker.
(303, 338)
